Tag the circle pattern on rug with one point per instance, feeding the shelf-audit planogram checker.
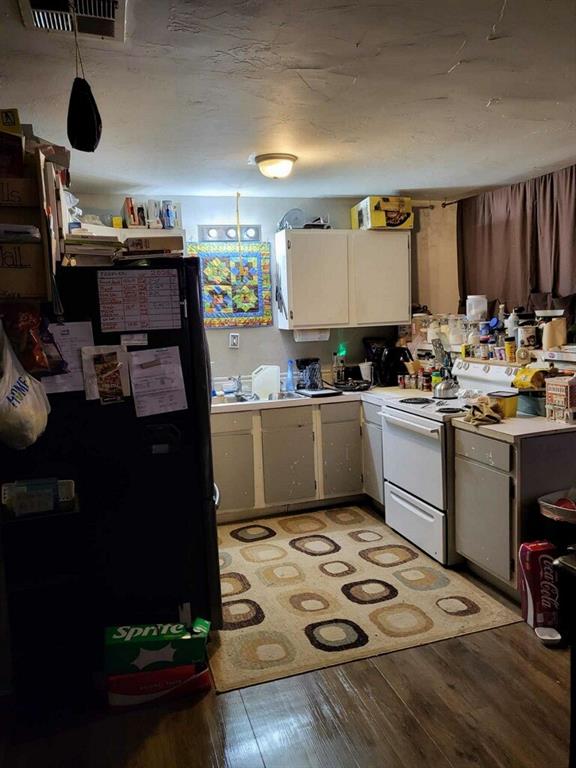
(263, 650)
(301, 524)
(369, 591)
(262, 553)
(388, 555)
(315, 545)
(248, 533)
(336, 635)
(345, 516)
(238, 614)
(283, 575)
(458, 605)
(401, 620)
(337, 568)
(423, 578)
(309, 603)
(233, 584)
(224, 560)
(365, 536)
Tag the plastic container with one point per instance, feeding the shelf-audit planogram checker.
(549, 508)
(476, 307)
(290, 377)
(507, 400)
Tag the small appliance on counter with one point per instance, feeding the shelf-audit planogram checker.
(352, 379)
(387, 361)
(309, 373)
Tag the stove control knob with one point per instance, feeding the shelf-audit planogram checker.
(486, 368)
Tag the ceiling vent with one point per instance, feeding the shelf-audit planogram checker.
(96, 18)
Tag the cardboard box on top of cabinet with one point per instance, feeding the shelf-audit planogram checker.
(23, 272)
(382, 213)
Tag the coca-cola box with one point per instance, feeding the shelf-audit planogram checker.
(538, 584)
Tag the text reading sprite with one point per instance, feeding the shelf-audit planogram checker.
(154, 630)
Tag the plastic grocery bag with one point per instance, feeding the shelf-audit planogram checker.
(24, 407)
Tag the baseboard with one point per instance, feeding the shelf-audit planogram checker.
(223, 517)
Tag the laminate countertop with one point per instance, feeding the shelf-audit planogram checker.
(376, 396)
(517, 428)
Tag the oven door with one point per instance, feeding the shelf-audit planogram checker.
(414, 455)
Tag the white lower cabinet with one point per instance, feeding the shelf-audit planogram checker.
(341, 449)
(372, 458)
(288, 455)
(276, 457)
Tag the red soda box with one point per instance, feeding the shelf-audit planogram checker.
(138, 688)
(538, 584)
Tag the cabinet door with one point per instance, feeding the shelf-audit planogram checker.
(483, 517)
(379, 277)
(233, 457)
(318, 276)
(373, 468)
(288, 455)
(342, 457)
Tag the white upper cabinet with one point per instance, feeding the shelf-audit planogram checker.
(379, 277)
(313, 278)
(338, 278)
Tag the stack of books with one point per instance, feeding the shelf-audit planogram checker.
(90, 250)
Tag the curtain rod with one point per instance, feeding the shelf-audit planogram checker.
(445, 204)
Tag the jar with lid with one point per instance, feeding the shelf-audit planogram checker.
(476, 307)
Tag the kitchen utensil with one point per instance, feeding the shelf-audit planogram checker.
(266, 381)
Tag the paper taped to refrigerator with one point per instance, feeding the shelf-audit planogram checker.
(106, 374)
(157, 381)
(70, 338)
(139, 300)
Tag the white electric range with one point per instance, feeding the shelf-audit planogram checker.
(418, 449)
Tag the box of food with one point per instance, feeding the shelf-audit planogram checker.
(18, 192)
(23, 272)
(144, 687)
(139, 647)
(383, 213)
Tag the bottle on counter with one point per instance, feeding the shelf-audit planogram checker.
(510, 349)
(290, 377)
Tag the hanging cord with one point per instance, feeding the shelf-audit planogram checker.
(238, 222)
(72, 9)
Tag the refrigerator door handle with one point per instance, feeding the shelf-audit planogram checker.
(216, 496)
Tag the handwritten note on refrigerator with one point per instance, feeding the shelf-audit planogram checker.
(139, 300)
(157, 381)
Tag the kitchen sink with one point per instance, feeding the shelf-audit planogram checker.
(285, 396)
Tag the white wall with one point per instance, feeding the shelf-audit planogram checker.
(269, 345)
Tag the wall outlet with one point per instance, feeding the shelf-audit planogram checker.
(234, 341)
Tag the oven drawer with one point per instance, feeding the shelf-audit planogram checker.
(416, 521)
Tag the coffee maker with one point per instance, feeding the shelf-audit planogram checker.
(387, 360)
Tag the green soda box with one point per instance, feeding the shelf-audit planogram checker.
(147, 647)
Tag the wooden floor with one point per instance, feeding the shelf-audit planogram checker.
(496, 699)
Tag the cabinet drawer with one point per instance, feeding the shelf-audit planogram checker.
(485, 450)
(417, 521)
(231, 422)
(340, 411)
(299, 416)
(372, 413)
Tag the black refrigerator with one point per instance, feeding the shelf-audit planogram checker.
(141, 544)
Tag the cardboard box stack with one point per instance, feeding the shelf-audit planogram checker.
(148, 662)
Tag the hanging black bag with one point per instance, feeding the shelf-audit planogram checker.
(84, 122)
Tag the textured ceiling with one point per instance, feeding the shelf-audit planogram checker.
(433, 97)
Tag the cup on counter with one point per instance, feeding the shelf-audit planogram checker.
(366, 371)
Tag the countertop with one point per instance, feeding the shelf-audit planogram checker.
(517, 428)
(376, 396)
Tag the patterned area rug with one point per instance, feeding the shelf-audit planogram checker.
(316, 589)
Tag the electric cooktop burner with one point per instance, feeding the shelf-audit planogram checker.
(449, 410)
(416, 400)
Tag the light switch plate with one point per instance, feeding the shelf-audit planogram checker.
(234, 341)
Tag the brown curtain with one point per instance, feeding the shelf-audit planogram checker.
(517, 244)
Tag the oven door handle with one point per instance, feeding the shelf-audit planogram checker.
(433, 432)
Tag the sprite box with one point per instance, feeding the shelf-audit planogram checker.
(139, 647)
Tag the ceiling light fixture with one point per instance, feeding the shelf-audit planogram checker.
(276, 165)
